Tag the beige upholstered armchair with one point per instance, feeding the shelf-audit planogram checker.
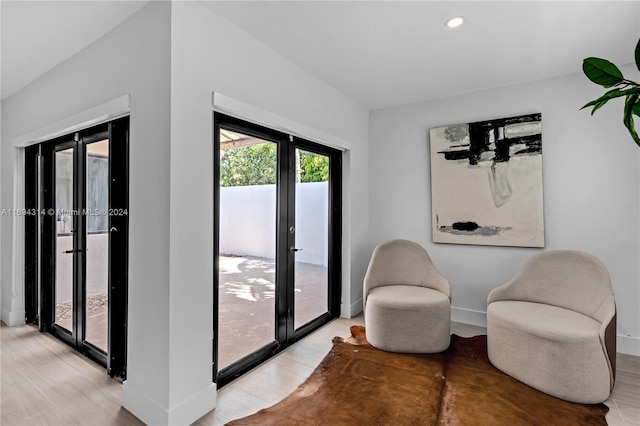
(553, 326)
(407, 301)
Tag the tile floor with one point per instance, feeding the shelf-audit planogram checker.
(43, 381)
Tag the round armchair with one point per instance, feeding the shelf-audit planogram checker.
(407, 305)
(553, 326)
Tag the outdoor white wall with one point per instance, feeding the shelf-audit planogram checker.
(312, 222)
(248, 221)
(591, 189)
(133, 59)
(211, 55)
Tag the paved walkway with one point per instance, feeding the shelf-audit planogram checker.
(247, 303)
(247, 298)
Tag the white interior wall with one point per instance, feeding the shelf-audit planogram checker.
(212, 55)
(133, 59)
(171, 206)
(209, 55)
(591, 185)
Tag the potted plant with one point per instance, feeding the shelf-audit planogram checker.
(606, 74)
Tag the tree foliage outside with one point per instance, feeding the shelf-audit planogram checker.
(313, 167)
(257, 165)
(249, 165)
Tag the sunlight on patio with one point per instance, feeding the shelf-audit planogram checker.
(247, 302)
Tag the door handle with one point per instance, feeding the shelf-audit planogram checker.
(292, 249)
(72, 251)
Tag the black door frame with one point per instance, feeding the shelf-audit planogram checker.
(31, 220)
(40, 267)
(285, 333)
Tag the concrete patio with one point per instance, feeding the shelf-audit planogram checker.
(247, 298)
(247, 303)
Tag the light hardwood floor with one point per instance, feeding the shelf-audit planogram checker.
(44, 382)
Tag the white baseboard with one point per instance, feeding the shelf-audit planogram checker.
(628, 345)
(13, 318)
(143, 406)
(469, 316)
(350, 311)
(194, 407)
(152, 413)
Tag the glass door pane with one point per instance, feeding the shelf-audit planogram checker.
(247, 246)
(64, 241)
(82, 261)
(311, 277)
(97, 243)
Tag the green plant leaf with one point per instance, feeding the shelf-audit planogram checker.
(602, 72)
(598, 106)
(611, 94)
(638, 55)
(636, 109)
(615, 93)
(630, 104)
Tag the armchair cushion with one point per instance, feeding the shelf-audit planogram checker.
(420, 315)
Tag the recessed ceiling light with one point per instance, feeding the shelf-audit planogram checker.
(455, 22)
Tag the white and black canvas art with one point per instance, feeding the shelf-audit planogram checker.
(486, 182)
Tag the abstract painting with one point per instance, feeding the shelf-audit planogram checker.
(486, 182)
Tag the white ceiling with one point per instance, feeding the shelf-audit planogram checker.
(381, 53)
(392, 53)
(38, 35)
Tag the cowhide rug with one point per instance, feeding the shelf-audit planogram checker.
(356, 384)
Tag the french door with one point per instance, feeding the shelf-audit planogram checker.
(277, 242)
(82, 199)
